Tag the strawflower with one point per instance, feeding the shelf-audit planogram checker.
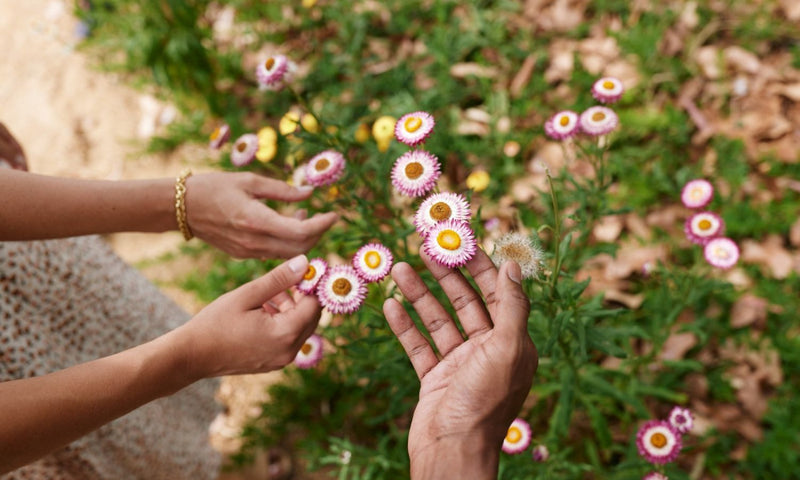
(219, 136)
(701, 227)
(681, 419)
(655, 476)
(415, 173)
(519, 248)
(598, 120)
(607, 90)
(414, 128)
(478, 180)
(341, 290)
(383, 129)
(373, 262)
(658, 442)
(325, 168)
(450, 243)
(518, 437)
(274, 72)
(540, 453)
(697, 193)
(562, 125)
(317, 267)
(721, 252)
(244, 149)
(299, 176)
(439, 207)
(310, 353)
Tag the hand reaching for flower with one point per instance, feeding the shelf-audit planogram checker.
(470, 395)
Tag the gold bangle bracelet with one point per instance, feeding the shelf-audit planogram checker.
(180, 204)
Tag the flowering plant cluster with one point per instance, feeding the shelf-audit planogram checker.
(660, 441)
(518, 439)
(706, 228)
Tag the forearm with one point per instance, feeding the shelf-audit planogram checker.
(456, 457)
(41, 414)
(40, 207)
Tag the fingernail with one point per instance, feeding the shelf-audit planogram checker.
(305, 189)
(298, 264)
(513, 272)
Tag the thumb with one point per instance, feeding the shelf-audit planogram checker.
(253, 294)
(513, 305)
(272, 189)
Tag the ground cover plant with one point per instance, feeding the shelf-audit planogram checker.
(636, 311)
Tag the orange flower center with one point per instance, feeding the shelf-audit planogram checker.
(414, 170)
(608, 85)
(306, 348)
(241, 146)
(310, 273)
(658, 440)
(440, 211)
(598, 116)
(372, 259)
(412, 124)
(269, 63)
(704, 224)
(564, 121)
(321, 164)
(341, 286)
(448, 239)
(514, 435)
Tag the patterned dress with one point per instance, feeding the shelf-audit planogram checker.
(65, 302)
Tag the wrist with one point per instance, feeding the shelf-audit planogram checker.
(474, 456)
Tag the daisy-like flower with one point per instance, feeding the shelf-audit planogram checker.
(439, 207)
(415, 173)
(450, 243)
(721, 252)
(681, 419)
(274, 72)
(383, 128)
(562, 125)
(478, 180)
(341, 290)
(325, 168)
(244, 149)
(540, 453)
(373, 262)
(655, 476)
(702, 227)
(598, 120)
(658, 442)
(697, 193)
(219, 136)
(414, 128)
(519, 248)
(518, 437)
(607, 90)
(310, 353)
(317, 268)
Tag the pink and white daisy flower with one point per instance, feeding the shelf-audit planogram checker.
(415, 173)
(450, 243)
(518, 437)
(721, 252)
(244, 149)
(658, 442)
(325, 168)
(697, 193)
(655, 476)
(310, 353)
(540, 453)
(373, 262)
(317, 268)
(703, 226)
(562, 125)
(341, 290)
(414, 128)
(598, 120)
(681, 419)
(439, 207)
(274, 72)
(219, 136)
(607, 90)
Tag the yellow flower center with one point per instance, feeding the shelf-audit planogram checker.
(414, 170)
(704, 224)
(341, 286)
(564, 121)
(311, 272)
(306, 348)
(720, 252)
(598, 116)
(658, 440)
(412, 124)
(215, 133)
(440, 211)
(448, 239)
(608, 85)
(241, 146)
(696, 193)
(372, 259)
(321, 164)
(514, 435)
(269, 63)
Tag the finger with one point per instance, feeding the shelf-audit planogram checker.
(264, 187)
(266, 221)
(437, 321)
(302, 319)
(465, 300)
(513, 306)
(301, 214)
(279, 303)
(254, 294)
(482, 270)
(417, 348)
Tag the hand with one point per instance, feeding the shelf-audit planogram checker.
(225, 210)
(11, 152)
(470, 396)
(256, 328)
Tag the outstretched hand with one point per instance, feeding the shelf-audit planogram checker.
(474, 388)
(11, 153)
(227, 211)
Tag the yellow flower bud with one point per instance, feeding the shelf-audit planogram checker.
(308, 3)
(478, 180)
(288, 124)
(266, 152)
(362, 133)
(267, 136)
(309, 123)
(383, 145)
(383, 129)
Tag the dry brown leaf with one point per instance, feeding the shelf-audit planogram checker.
(749, 310)
(791, 91)
(794, 233)
(770, 254)
(791, 8)
(677, 345)
(597, 52)
(523, 76)
(708, 59)
(461, 70)
(630, 300)
(741, 60)
(562, 61)
(608, 228)
(635, 224)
